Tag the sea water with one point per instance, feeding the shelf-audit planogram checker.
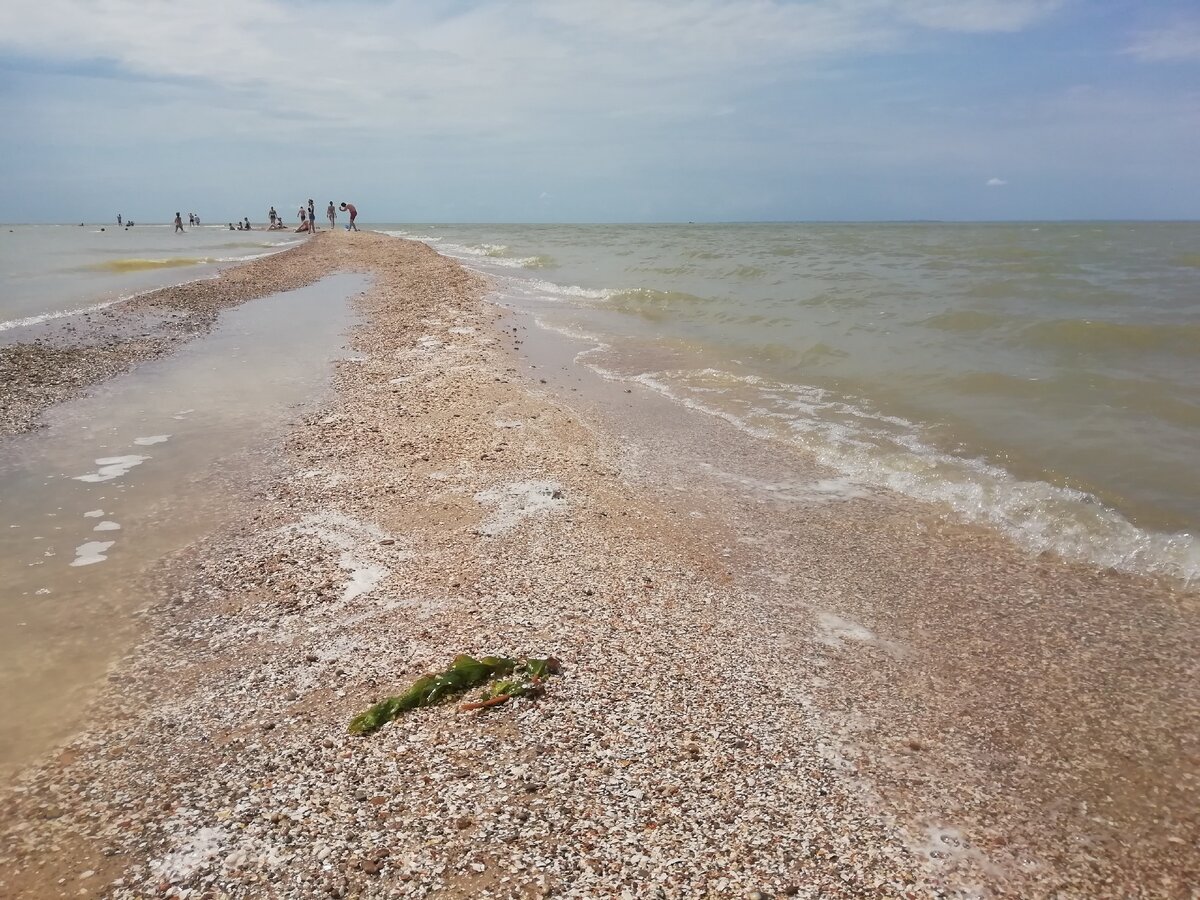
(1040, 378)
(119, 480)
(47, 271)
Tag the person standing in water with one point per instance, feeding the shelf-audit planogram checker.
(349, 207)
(119, 219)
(272, 215)
(178, 223)
(331, 215)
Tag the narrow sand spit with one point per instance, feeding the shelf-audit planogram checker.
(442, 504)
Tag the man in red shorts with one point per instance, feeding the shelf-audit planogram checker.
(349, 207)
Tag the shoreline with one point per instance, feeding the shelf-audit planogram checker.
(64, 356)
(448, 501)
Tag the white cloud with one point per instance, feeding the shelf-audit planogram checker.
(1179, 42)
(978, 15)
(995, 182)
(490, 69)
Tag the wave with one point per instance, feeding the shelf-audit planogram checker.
(1151, 398)
(964, 320)
(885, 452)
(550, 288)
(409, 236)
(524, 262)
(59, 314)
(1084, 335)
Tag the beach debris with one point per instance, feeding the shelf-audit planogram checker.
(512, 678)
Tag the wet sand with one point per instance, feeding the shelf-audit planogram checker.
(771, 682)
(144, 465)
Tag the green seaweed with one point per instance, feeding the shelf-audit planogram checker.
(464, 673)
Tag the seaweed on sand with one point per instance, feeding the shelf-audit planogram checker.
(519, 678)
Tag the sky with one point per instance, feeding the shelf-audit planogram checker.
(601, 110)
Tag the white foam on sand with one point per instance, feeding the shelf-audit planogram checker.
(93, 514)
(152, 439)
(355, 539)
(822, 490)
(834, 631)
(107, 526)
(191, 855)
(463, 330)
(112, 467)
(517, 501)
(91, 553)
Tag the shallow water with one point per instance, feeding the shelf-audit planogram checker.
(1043, 378)
(49, 270)
(141, 467)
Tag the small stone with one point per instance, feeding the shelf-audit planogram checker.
(371, 867)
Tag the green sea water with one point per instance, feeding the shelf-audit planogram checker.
(1042, 378)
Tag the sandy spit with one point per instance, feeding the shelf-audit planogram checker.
(672, 757)
(707, 737)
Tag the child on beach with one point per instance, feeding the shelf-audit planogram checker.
(178, 223)
(331, 215)
(353, 215)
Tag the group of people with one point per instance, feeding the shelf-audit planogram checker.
(307, 214)
(308, 217)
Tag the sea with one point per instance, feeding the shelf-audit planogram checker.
(52, 271)
(1040, 378)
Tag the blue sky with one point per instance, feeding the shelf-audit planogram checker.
(601, 110)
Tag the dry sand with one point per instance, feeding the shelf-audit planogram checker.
(449, 501)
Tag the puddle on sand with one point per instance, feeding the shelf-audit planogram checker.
(143, 466)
